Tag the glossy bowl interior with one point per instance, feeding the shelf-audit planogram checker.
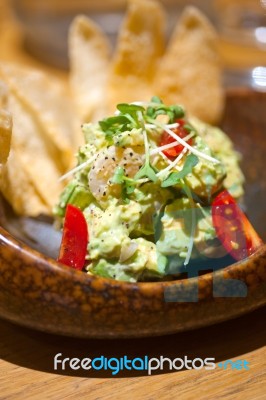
(36, 291)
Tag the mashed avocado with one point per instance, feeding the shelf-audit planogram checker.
(145, 181)
(222, 147)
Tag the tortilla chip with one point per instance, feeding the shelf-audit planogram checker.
(5, 135)
(35, 158)
(139, 47)
(18, 190)
(45, 100)
(89, 53)
(190, 73)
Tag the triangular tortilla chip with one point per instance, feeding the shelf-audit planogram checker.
(89, 53)
(18, 190)
(46, 101)
(139, 47)
(28, 142)
(190, 73)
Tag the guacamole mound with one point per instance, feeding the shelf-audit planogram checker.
(147, 200)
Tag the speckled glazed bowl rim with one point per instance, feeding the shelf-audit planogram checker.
(237, 269)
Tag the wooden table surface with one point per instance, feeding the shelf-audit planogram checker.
(26, 365)
(27, 356)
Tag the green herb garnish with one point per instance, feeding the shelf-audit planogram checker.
(115, 125)
(127, 184)
(146, 170)
(175, 177)
(125, 121)
(118, 176)
(130, 109)
(157, 108)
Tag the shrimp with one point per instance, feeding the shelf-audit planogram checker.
(103, 168)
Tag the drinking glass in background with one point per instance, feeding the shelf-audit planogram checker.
(46, 22)
(242, 28)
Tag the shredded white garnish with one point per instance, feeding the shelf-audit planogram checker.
(193, 223)
(78, 168)
(170, 145)
(164, 157)
(185, 144)
(173, 164)
(144, 180)
(170, 126)
(206, 216)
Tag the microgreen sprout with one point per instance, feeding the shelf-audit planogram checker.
(157, 107)
(78, 168)
(175, 177)
(164, 172)
(128, 184)
(183, 142)
(146, 170)
(170, 145)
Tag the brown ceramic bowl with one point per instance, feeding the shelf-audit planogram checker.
(37, 292)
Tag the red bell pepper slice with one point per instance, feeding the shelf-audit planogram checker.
(232, 227)
(75, 239)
